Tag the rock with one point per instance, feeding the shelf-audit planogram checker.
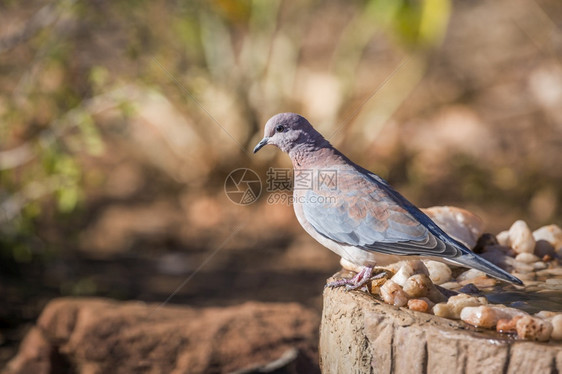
(521, 267)
(35, 355)
(393, 294)
(556, 327)
(419, 305)
(469, 275)
(508, 325)
(521, 237)
(550, 233)
(484, 241)
(487, 316)
(455, 305)
(544, 248)
(418, 285)
(439, 272)
(531, 328)
(102, 336)
(503, 238)
(405, 269)
(499, 255)
(359, 334)
(526, 258)
(459, 223)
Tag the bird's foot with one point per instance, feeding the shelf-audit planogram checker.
(358, 281)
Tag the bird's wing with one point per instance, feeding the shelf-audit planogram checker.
(364, 211)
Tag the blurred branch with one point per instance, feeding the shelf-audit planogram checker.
(44, 17)
(24, 153)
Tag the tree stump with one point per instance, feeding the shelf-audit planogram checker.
(360, 334)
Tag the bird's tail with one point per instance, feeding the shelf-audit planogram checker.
(476, 262)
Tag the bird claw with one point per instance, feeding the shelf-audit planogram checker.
(358, 281)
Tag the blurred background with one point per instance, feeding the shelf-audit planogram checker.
(120, 121)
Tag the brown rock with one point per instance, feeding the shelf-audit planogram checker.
(102, 336)
(418, 305)
(461, 224)
(359, 334)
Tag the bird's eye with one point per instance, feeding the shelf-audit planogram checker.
(280, 128)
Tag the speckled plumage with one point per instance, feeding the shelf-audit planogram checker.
(360, 216)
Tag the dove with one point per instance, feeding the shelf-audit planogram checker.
(356, 213)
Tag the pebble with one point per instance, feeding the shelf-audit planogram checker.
(500, 256)
(522, 267)
(418, 285)
(556, 327)
(526, 258)
(544, 248)
(488, 316)
(481, 282)
(435, 295)
(453, 307)
(550, 233)
(525, 277)
(521, 237)
(470, 289)
(507, 325)
(539, 265)
(545, 314)
(469, 275)
(485, 241)
(532, 328)
(375, 284)
(406, 269)
(393, 294)
(550, 272)
(459, 223)
(418, 305)
(503, 238)
(459, 302)
(439, 272)
(450, 285)
(554, 283)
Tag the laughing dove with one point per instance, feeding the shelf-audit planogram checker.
(356, 213)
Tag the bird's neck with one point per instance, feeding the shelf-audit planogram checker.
(313, 155)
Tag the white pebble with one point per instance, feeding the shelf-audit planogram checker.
(459, 223)
(470, 274)
(450, 285)
(556, 327)
(442, 310)
(458, 302)
(407, 269)
(521, 237)
(503, 238)
(418, 285)
(550, 233)
(550, 272)
(531, 328)
(438, 271)
(521, 267)
(393, 294)
(526, 258)
(525, 277)
(487, 316)
(545, 314)
(539, 265)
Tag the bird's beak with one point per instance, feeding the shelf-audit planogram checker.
(261, 144)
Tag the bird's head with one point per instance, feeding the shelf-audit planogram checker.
(287, 131)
